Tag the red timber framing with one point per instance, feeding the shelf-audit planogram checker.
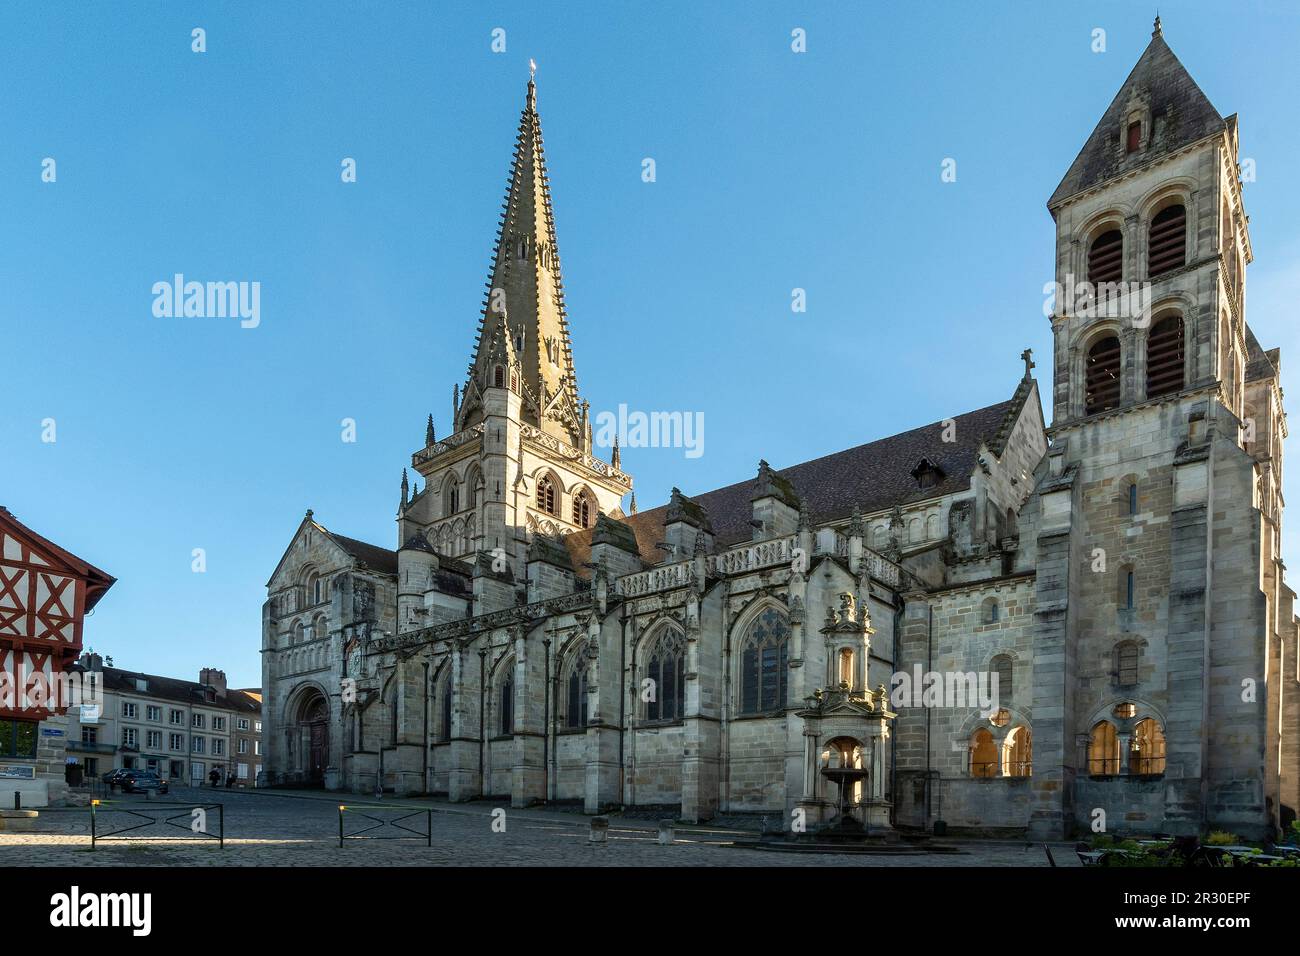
(45, 593)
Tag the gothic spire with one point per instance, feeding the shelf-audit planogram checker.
(406, 489)
(429, 438)
(525, 288)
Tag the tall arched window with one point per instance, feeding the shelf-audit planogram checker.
(1019, 753)
(472, 480)
(1103, 749)
(575, 690)
(1002, 666)
(1106, 259)
(582, 509)
(499, 377)
(1167, 246)
(1165, 356)
(666, 668)
(1147, 748)
(451, 496)
(763, 663)
(983, 754)
(546, 494)
(444, 694)
(506, 700)
(1101, 376)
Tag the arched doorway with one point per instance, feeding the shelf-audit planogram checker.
(311, 732)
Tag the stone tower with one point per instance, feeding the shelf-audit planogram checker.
(1158, 571)
(520, 458)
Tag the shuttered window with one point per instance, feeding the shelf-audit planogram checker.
(1165, 357)
(1101, 376)
(1106, 257)
(1168, 241)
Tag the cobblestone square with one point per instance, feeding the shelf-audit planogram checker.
(287, 828)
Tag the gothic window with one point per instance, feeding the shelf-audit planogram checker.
(1147, 748)
(499, 377)
(983, 754)
(1165, 357)
(575, 690)
(316, 591)
(1101, 376)
(506, 701)
(582, 510)
(1019, 752)
(763, 663)
(1103, 749)
(1106, 259)
(1167, 245)
(1127, 657)
(546, 495)
(1002, 666)
(472, 481)
(450, 497)
(667, 672)
(1133, 498)
(444, 692)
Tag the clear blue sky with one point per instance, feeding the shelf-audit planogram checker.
(775, 171)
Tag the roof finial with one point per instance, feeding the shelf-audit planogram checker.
(1156, 30)
(1027, 356)
(429, 436)
(532, 84)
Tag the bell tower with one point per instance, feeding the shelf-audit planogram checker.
(1151, 539)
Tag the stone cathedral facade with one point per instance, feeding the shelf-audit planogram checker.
(535, 638)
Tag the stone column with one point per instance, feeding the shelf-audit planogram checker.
(602, 726)
(462, 777)
(526, 777)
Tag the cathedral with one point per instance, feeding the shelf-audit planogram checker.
(997, 625)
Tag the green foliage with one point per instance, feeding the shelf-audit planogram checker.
(1221, 838)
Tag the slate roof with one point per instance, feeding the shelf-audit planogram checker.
(1180, 113)
(371, 555)
(180, 691)
(874, 477)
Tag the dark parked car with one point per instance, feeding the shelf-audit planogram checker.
(139, 781)
(114, 777)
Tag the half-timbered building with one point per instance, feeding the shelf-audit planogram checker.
(45, 594)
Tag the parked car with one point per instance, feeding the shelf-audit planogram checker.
(140, 781)
(114, 777)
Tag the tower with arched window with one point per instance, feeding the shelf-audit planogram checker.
(1155, 364)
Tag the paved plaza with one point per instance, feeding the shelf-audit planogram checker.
(288, 828)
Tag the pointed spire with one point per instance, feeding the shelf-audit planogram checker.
(455, 404)
(616, 459)
(429, 437)
(526, 290)
(1160, 89)
(406, 489)
(632, 504)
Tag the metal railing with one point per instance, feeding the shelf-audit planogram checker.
(371, 813)
(146, 812)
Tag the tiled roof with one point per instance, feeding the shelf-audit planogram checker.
(873, 477)
(179, 691)
(1180, 112)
